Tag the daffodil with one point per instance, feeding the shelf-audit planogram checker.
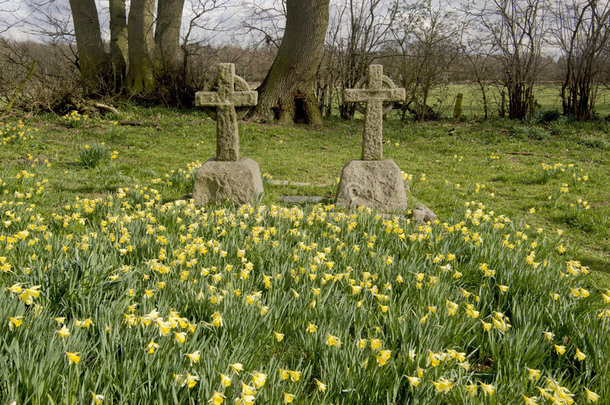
(259, 379)
(73, 357)
(413, 381)
(151, 347)
(591, 396)
(311, 328)
(191, 380)
(279, 336)
(14, 321)
(247, 389)
(443, 385)
(530, 400)
(288, 398)
(580, 356)
(533, 374)
(237, 367)
(225, 380)
(472, 389)
(320, 385)
(333, 341)
(194, 357)
(179, 337)
(375, 344)
(97, 398)
(382, 357)
(488, 389)
(217, 398)
(63, 332)
(217, 319)
(295, 375)
(560, 349)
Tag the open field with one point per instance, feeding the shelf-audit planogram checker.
(547, 97)
(115, 289)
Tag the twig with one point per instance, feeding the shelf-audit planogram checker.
(19, 88)
(107, 107)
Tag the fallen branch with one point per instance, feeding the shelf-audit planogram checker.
(139, 123)
(107, 108)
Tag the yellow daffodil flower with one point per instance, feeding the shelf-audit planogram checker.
(97, 398)
(580, 356)
(63, 332)
(288, 398)
(14, 321)
(591, 396)
(237, 367)
(73, 357)
(333, 341)
(320, 385)
(382, 357)
(194, 357)
(413, 381)
(217, 398)
(225, 380)
(443, 385)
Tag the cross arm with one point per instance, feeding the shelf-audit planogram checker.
(237, 99)
(366, 95)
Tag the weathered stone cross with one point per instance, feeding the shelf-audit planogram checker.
(374, 96)
(225, 99)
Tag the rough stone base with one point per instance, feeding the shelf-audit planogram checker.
(423, 214)
(239, 182)
(375, 184)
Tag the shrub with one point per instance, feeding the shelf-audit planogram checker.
(544, 116)
(92, 155)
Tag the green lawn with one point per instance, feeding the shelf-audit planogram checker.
(546, 96)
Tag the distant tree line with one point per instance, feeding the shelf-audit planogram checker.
(303, 53)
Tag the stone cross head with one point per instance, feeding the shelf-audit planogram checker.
(231, 91)
(374, 95)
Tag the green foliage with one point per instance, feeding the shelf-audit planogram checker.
(92, 155)
(131, 269)
(544, 116)
(332, 307)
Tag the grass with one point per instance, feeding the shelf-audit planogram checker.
(503, 156)
(547, 97)
(343, 307)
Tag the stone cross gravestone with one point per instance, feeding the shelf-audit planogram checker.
(373, 182)
(228, 176)
(374, 96)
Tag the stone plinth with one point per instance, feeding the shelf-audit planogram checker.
(376, 184)
(239, 181)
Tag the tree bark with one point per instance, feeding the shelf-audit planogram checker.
(287, 94)
(140, 36)
(92, 57)
(167, 36)
(118, 41)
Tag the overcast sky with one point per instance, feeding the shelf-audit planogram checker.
(226, 19)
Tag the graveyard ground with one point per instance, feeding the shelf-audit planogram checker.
(114, 289)
(552, 175)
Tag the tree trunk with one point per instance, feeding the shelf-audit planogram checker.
(140, 35)
(167, 37)
(287, 94)
(118, 41)
(92, 58)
